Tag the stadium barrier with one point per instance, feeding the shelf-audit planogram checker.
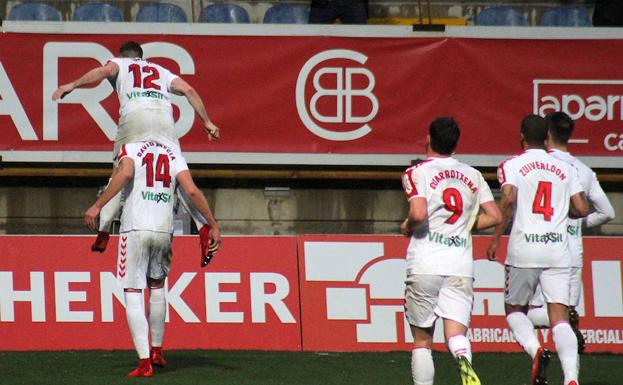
(308, 292)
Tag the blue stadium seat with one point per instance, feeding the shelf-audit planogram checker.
(500, 15)
(34, 11)
(161, 13)
(97, 11)
(224, 13)
(566, 16)
(287, 14)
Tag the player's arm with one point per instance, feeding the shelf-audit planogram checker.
(579, 207)
(489, 217)
(181, 87)
(185, 180)
(95, 75)
(418, 212)
(507, 203)
(604, 212)
(119, 179)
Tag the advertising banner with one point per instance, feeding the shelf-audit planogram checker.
(327, 96)
(56, 294)
(311, 292)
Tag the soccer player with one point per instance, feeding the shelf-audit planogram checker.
(445, 197)
(539, 192)
(150, 173)
(560, 128)
(146, 114)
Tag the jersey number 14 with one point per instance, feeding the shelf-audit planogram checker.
(160, 172)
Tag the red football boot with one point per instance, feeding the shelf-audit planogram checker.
(100, 242)
(144, 369)
(157, 358)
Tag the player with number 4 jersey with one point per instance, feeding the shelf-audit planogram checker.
(539, 192)
(445, 197)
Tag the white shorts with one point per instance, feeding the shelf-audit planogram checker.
(142, 255)
(521, 285)
(575, 290)
(430, 296)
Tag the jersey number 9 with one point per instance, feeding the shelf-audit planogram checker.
(453, 202)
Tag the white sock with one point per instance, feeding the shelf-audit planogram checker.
(567, 348)
(157, 313)
(422, 367)
(137, 322)
(538, 316)
(108, 213)
(458, 346)
(523, 330)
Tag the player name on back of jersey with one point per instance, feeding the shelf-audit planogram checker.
(452, 174)
(536, 165)
(148, 145)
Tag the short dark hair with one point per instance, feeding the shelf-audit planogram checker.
(131, 49)
(444, 135)
(560, 126)
(534, 130)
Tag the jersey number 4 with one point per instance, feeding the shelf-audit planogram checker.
(453, 202)
(542, 203)
(160, 172)
(146, 82)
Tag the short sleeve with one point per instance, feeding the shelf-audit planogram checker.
(411, 184)
(576, 185)
(123, 152)
(169, 77)
(179, 163)
(506, 174)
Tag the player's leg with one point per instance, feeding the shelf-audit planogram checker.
(520, 286)
(537, 311)
(454, 306)
(108, 213)
(197, 217)
(131, 268)
(420, 300)
(159, 266)
(575, 292)
(555, 283)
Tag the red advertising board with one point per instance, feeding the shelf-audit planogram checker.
(311, 292)
(321, 95)
(56, 294)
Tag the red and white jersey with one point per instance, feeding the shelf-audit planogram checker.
(149, 194)
(454, 192)
(593, 191)
(141, 84)
(145, 111)
(544, 187)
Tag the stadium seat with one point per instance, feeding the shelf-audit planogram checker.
(566, 16)
(34, 11)
(500, 15)
(224, 13)
(97, 11)
(287, 14)
(161, 13)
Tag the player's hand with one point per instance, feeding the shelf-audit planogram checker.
(62, 91)
(90, 217)
(212, 130)
(493, 247)
(404, 228)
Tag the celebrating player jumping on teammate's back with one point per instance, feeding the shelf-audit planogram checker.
(445, 197)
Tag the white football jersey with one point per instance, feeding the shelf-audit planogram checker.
(454, 192)
(544, 187)
(593, 191)
(145, 111)
(149, 194)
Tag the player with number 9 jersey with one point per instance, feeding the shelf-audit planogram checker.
(454, 192)
(149, 195)
(544, 187)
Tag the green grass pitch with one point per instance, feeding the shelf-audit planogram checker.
(190, 367)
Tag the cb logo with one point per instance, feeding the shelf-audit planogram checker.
(343, 95)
